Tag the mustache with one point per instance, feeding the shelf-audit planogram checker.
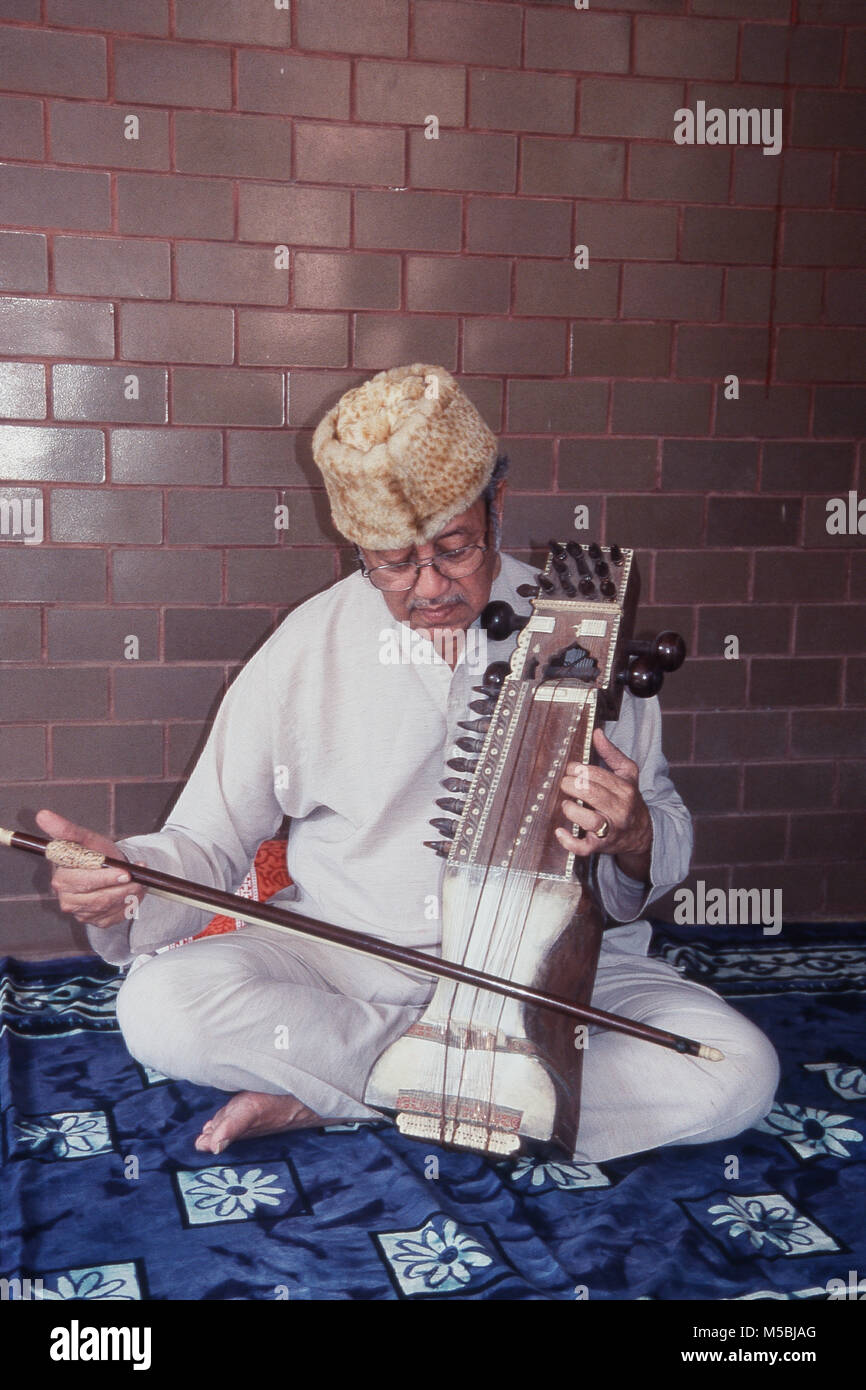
(421, 605)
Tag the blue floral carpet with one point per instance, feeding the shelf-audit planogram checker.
(105, 1197)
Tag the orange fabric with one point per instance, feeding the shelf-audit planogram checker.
(267, 876)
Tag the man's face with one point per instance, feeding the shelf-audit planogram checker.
(436, 602)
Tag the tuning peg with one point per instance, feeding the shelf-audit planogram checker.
(616, 555)
(608, 588)
(448, 828)
(568, 588)
(483, 706)
(470, 745)
(668, 650)
(602, 569)
(454, 784)
(499, 620)
(586, 586)
(491, 681)
(461, 764)
(545, 584)
(475, 726)
(575, 549)
(440, 847)
(557, 548)
(643, 678)
(528, 590)
(451, 804)
(594, 550)
(582, 566)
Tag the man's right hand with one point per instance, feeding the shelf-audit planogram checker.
(97, 897)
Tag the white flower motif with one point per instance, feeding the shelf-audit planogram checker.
(224, 1191)
(779, 1225)
(67, 1134)
(563, 1175)
(437, 1258)
(90, 1284)
(810, 1132)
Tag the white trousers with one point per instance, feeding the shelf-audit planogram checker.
(255, 1010)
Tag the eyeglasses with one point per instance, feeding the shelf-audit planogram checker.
(451, 564)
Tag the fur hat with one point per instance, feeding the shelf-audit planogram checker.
(401, 455)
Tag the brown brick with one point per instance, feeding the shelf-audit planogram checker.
(571, 168)
(226, 22)
(758, 521)
(685, 48)
(156, 205)
(777, 684)
(540, 517)
(788, 786)
(840, 412)
(185, 743)
(739, 839)
(22, 753)
(824, 628)
(787, 577)
(349, 154)
(846, 893)
(34, 60)
(99, 393)
(21, 635)
(142, 807)
(528, 347)
(807, 467)
(285, 576)
(105, 516)
(108, 750)
(761, 629)
(444, 31)
(815, 532)
(54, 198)
(627, 231)
(652, 619)
(716, 351)
(678, 173)
(408, 92)
(749, 293)
(223, 396)
(531, 463)
(487, 396)
(55, 326)
(829, 119)
(407, 221)
(661, 407)
(173, 74)
(846, 296)
(758, 9)
(677, 735)
(566, 41)
(607, 465)
(804, 179)
(381, 340)
(823, 238)
(626, 106)
(813, 56)
(23, 261)
(855, 680)
(103, 266)
(852, 785)
(616, 349)
(82, 634)
(521, 101)
(672, 292)
(358, 281)
(701, 577)
(740, 737)
(37, 574)
(294, 216)
(519, 226)
(557, 407)
(83, 133)
(21, 132)
(828, 734)
(249, 146)
(118, 16)
(22, 393)
(279, 339)
(557, 288)
(313, 393)
(378, 27)
(310, 520)
(229, 634)
(463, 159)
(828, 837)
(53, 692)
(814, 354)
(167, 456)
(708, 789)
(781, 414)
(283, 84)
(707, 685)
(727, 235)
(220, 516)
(851, 181)
(24, 923)
(709, 465)
(165, 576)
(176, 333)
(161, 692)
(239, 274)
(654, 522)
(279, 458)
(858, 573)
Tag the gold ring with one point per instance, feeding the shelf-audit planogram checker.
(603, 830)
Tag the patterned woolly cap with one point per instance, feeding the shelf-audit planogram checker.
(401, 455)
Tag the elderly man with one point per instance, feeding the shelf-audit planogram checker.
(320, 728)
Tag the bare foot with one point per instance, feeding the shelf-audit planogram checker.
(251, 1112)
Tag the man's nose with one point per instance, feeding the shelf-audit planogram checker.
(430, 583)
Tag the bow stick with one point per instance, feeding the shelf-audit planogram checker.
(75, 856)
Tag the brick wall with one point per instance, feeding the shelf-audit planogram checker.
(153, 156)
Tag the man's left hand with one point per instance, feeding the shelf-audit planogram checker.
(610, 798)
